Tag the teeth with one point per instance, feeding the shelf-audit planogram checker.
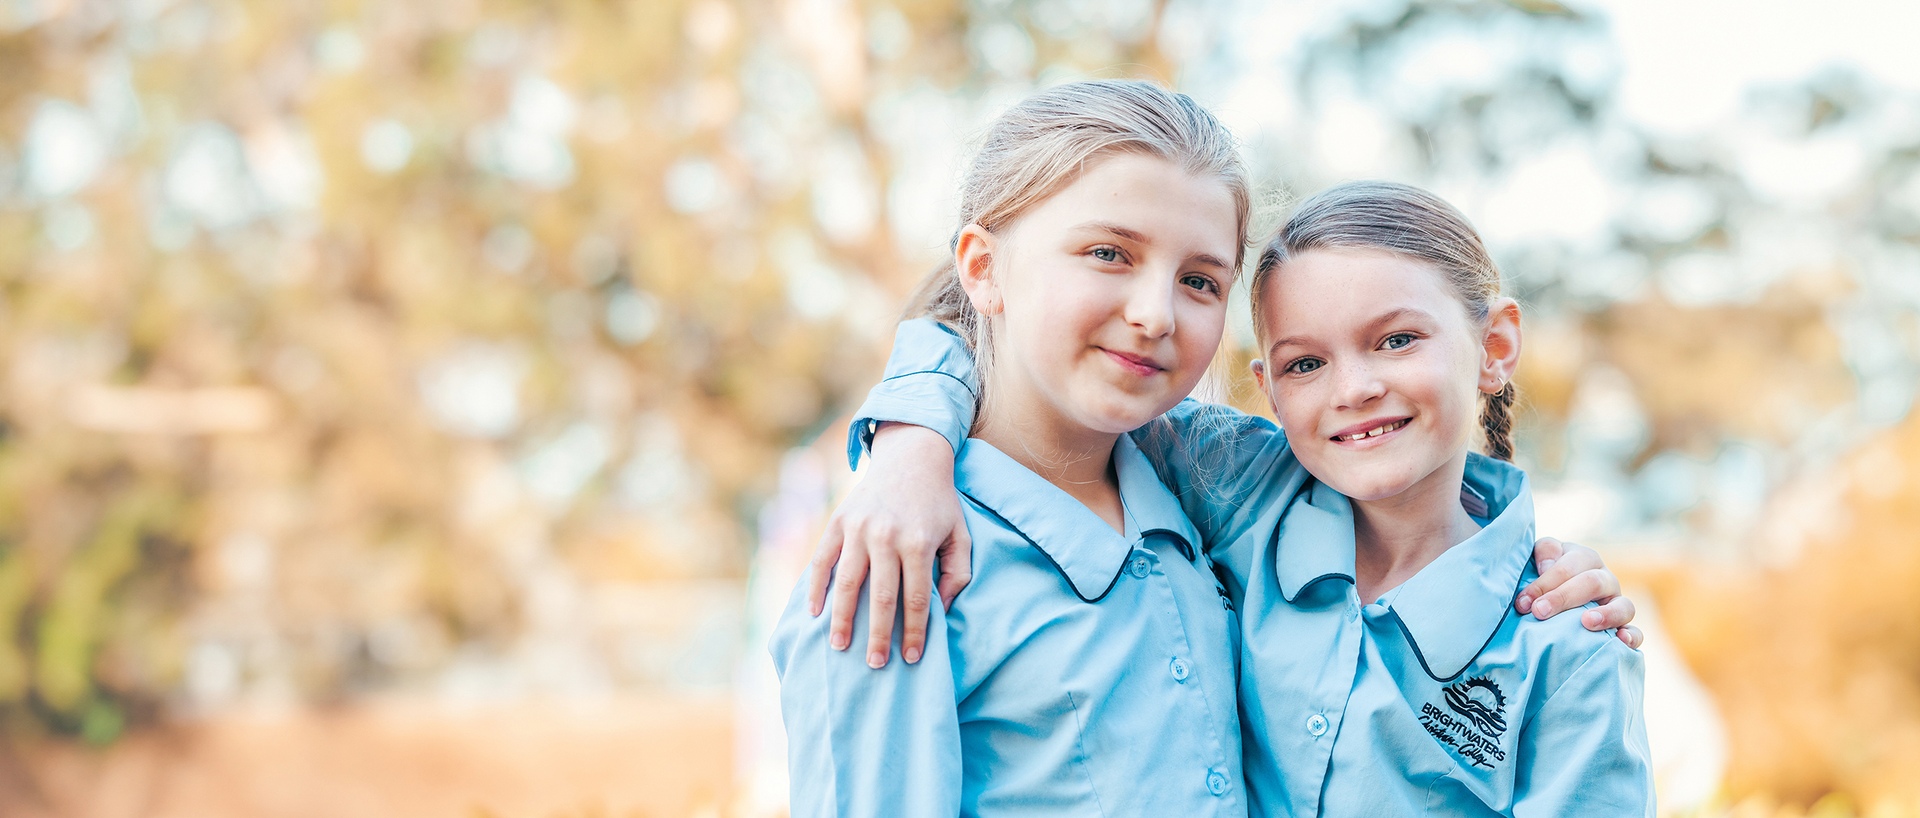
(1376, 432)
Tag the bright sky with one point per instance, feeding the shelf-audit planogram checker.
(1688, 63)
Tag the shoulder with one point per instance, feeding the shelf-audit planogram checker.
(1193, 420)
(1560, 648)
(1000, 551)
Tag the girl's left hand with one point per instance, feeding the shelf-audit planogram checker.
(1572, 575)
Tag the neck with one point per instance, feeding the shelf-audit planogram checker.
(1075, 459)
(1394, 537)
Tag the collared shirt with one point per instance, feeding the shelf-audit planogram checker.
(1313, 662)
(1082, 672)
(1479, 710)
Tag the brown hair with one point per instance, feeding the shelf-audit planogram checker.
(1043, 144)
(1411, 222)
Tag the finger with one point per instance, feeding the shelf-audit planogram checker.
(820, 568)
(883, 596)
(1594, 585)
(1571, 559)
(1614, 613)
(1631, 635)
(1546, 551)
(916, 597)
(956, 564)
(848, 576)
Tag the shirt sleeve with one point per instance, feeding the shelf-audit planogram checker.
(1585, 751)
(865, 742)
(1215, 459)
(929, 382)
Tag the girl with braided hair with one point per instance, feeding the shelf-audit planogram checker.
(1385, 344)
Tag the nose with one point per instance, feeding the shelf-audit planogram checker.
(1150, 305)
(1356, 384)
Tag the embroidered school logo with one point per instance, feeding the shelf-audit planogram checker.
(1480, 701)
(1474, 727)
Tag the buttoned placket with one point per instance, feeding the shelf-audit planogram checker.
(1319, 724)
(1144, 566)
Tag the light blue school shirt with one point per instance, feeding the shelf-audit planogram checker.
(1437, 698)
(1301, 675)
(1082, 672)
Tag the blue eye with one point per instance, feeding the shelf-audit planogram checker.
(1398, 340)
(1106, 254)
(1305, 365)
(1200, 282)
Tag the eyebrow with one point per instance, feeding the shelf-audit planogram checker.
(1138, 237)
(1384, 318)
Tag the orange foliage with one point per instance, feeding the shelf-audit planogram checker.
(1816, 663)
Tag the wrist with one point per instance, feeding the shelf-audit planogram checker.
(905, 439)
(906, 452)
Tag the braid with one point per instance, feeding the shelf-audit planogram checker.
(1496, 418)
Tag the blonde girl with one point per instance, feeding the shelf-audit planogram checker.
(1088, 669)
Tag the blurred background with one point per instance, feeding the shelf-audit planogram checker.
(422, 408)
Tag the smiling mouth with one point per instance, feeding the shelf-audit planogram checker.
(1374, 432)
(1136, 365)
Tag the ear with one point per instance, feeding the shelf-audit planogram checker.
(1260, 377)
(973, 257)
(1500, 355)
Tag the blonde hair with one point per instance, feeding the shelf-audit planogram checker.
(1407, 221)
(1043, 144)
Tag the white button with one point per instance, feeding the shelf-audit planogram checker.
(1216, 783)
(1181, 671)
(1353, 611)
(1317, 725)
(1141, 567)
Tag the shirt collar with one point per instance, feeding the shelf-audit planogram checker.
(1086, 551)
(1452, 607)
(1314, 540)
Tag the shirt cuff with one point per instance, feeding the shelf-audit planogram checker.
(931, 399)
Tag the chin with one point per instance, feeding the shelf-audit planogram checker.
(1365, 484)
(1123, 415)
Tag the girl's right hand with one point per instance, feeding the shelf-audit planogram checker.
(902, 517)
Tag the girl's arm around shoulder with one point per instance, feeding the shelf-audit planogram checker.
(866, 742)
(929, 382)
(1584, 751)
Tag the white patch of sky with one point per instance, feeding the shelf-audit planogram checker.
(206, 178)
(1557, 194)
(695, 185)
(816, 289)
(386, 145)
(529, 144)
(632, 316)
(64, 150)
(845, 193)
(474, 389)
(559, 468)
(285, 168)
(1688, 66)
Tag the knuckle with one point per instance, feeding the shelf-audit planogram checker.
(919, 601)
(885, 597)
